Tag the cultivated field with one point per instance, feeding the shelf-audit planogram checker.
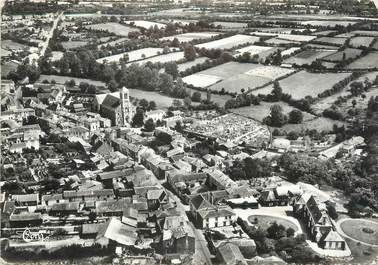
(145, 24)
(361, 41)
(290, 51)
(319, 46)
(187, 37)
(230, 42)
(303, 84)
(336, 41)
(164, 58)
(73, 44)
(259, 112)
(308, 56)
(365, 33)
(133, 55)
(115, 28)
(366, 62)
(324, 33)
(183, 66)
(348, 53)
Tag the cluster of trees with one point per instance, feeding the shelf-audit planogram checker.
(24, 70)
(279, 241)
(339, 85)
(249, 169)
(277, 118)
(242, 100)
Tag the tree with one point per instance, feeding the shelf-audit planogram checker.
(276, 117)
(277, 91)
(176, 103)
(189, 52)
(113, 85)
(172, 69)
(293, 135)
(295, 116)
(290, 232)
(354, 103)
(152, 105)
(178, 127)
(138, 118)
(143, 103)
(166, 84)
(276, 231)
(187, 102)
(196, 96)
(149, 125)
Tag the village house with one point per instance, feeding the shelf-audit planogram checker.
(88, 195)
(155, 115)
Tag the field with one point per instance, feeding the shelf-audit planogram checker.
(326, 102)
(331, 41)
(328, 23)
(230, 42)
(292, 37)
(217, 73)
(319, 46)
(276, 41)
(303, 84)
(308, 56)
(365, 33)
(11, 45)
(62, 79)
(112, 43)
(145, 24)
(115, 28)
(133, 55)
(230, 25)
(289, 51)
(55, 56)
(187, 37)
(319, 123)
(5, 53)
(361, 41)
(252, 79)
(73, 44)
(183, 66)
(162, 101)
(259, 112)
(253, 50)
(350, 53)
(164, 58)
(325, 33)
(366, 62)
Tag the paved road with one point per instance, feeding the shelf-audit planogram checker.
(201, 243)
(46, 42)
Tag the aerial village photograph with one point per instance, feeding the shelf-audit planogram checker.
(189, 132)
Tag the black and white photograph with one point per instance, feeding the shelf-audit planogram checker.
(189, 132)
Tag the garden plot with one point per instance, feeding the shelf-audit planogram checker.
(253, 50)
(184, 66)
(68, 45)
(229, 42)
(336, 41)
(259, 112)
(367, 62)
(164, 58)
(302, 84)
(112, 27)
(348, 53)
(308, 56)
(145, 24)
(361, 41)
(230, 25)
(327, 23)
(251, 79)
(187, 37)
(133, 55)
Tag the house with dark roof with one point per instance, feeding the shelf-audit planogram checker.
(25, 219)
(208, 215)
(321, 228)
(230, 254)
